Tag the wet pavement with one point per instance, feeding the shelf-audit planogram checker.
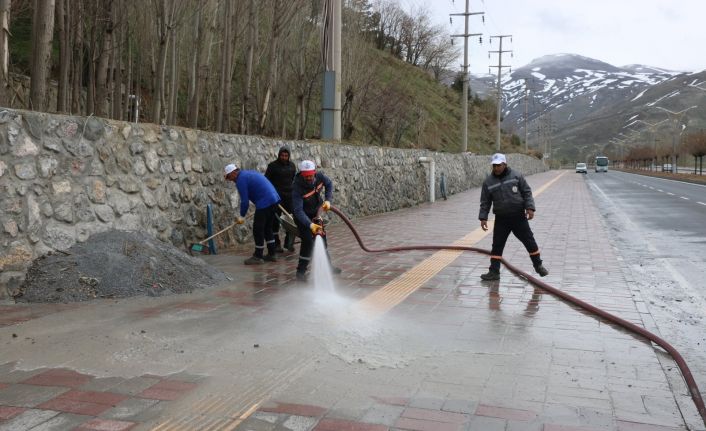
(407, 341)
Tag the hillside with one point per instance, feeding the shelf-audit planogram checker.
(407, 108)
(578, 104)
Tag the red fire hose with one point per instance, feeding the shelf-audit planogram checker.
(686, 373)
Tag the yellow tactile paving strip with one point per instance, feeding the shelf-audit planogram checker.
(383, 300)
(219, 413)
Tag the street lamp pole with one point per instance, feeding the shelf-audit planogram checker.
(675, 117)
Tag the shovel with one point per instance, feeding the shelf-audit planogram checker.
(200, 247)
(288, 222)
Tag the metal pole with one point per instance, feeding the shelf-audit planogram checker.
(464, 102)
(338, 25)
(465, 81)
(500, 97)
(331, 53)
(500, 71)
(526, 97)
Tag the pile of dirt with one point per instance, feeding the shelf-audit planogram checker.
(115, 264)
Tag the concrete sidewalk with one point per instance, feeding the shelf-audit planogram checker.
(408, 341)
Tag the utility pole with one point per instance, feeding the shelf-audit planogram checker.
(526, 100)
(331, 50)
(500, 69)
(465, 36)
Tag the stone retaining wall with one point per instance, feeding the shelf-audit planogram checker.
(64, 178)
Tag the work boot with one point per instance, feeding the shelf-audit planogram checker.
(254, 260)
(301, 276)
(270, 258)
(541, 270)
(491, 275)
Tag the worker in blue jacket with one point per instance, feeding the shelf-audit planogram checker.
(307, 205)
(254, 187)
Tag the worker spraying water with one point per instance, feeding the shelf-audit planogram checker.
(308, 205)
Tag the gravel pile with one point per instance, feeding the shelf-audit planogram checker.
(115, 264)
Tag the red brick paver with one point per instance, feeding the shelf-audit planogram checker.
(59, 377)
(105, 398)
(328, 424)
(10, 412)
(76, 407)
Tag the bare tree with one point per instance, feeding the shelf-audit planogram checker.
(226, 51)
(249, 60)
(305, 65)
(42, 33)
(105, 25)
(695, 144)
(359, 76)
(281, 11)
(4, 49)
(76, 28)
(389, 17)
(166, 10)
(442, 52)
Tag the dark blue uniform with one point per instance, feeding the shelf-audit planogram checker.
(509, 195)
(306, 202)
(253, 186)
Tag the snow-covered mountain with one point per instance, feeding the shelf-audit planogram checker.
(583, 101)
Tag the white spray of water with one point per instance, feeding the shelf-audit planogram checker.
(321, 268)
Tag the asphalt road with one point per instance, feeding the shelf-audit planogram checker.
(659, 226)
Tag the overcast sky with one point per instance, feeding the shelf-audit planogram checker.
(670, 34)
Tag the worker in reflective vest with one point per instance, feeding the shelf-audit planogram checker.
(307, 205)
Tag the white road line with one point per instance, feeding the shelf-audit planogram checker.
(651, 188)
(701, 203)
(660, 190)
(682, 197)
(666, 179)
(670, 194)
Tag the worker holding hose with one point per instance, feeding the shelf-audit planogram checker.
(308, 204)
(511, 198)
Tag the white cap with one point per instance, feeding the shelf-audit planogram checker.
(498, 158)
(230, 168)
(307, 166)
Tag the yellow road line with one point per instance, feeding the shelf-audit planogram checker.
(384, 299)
